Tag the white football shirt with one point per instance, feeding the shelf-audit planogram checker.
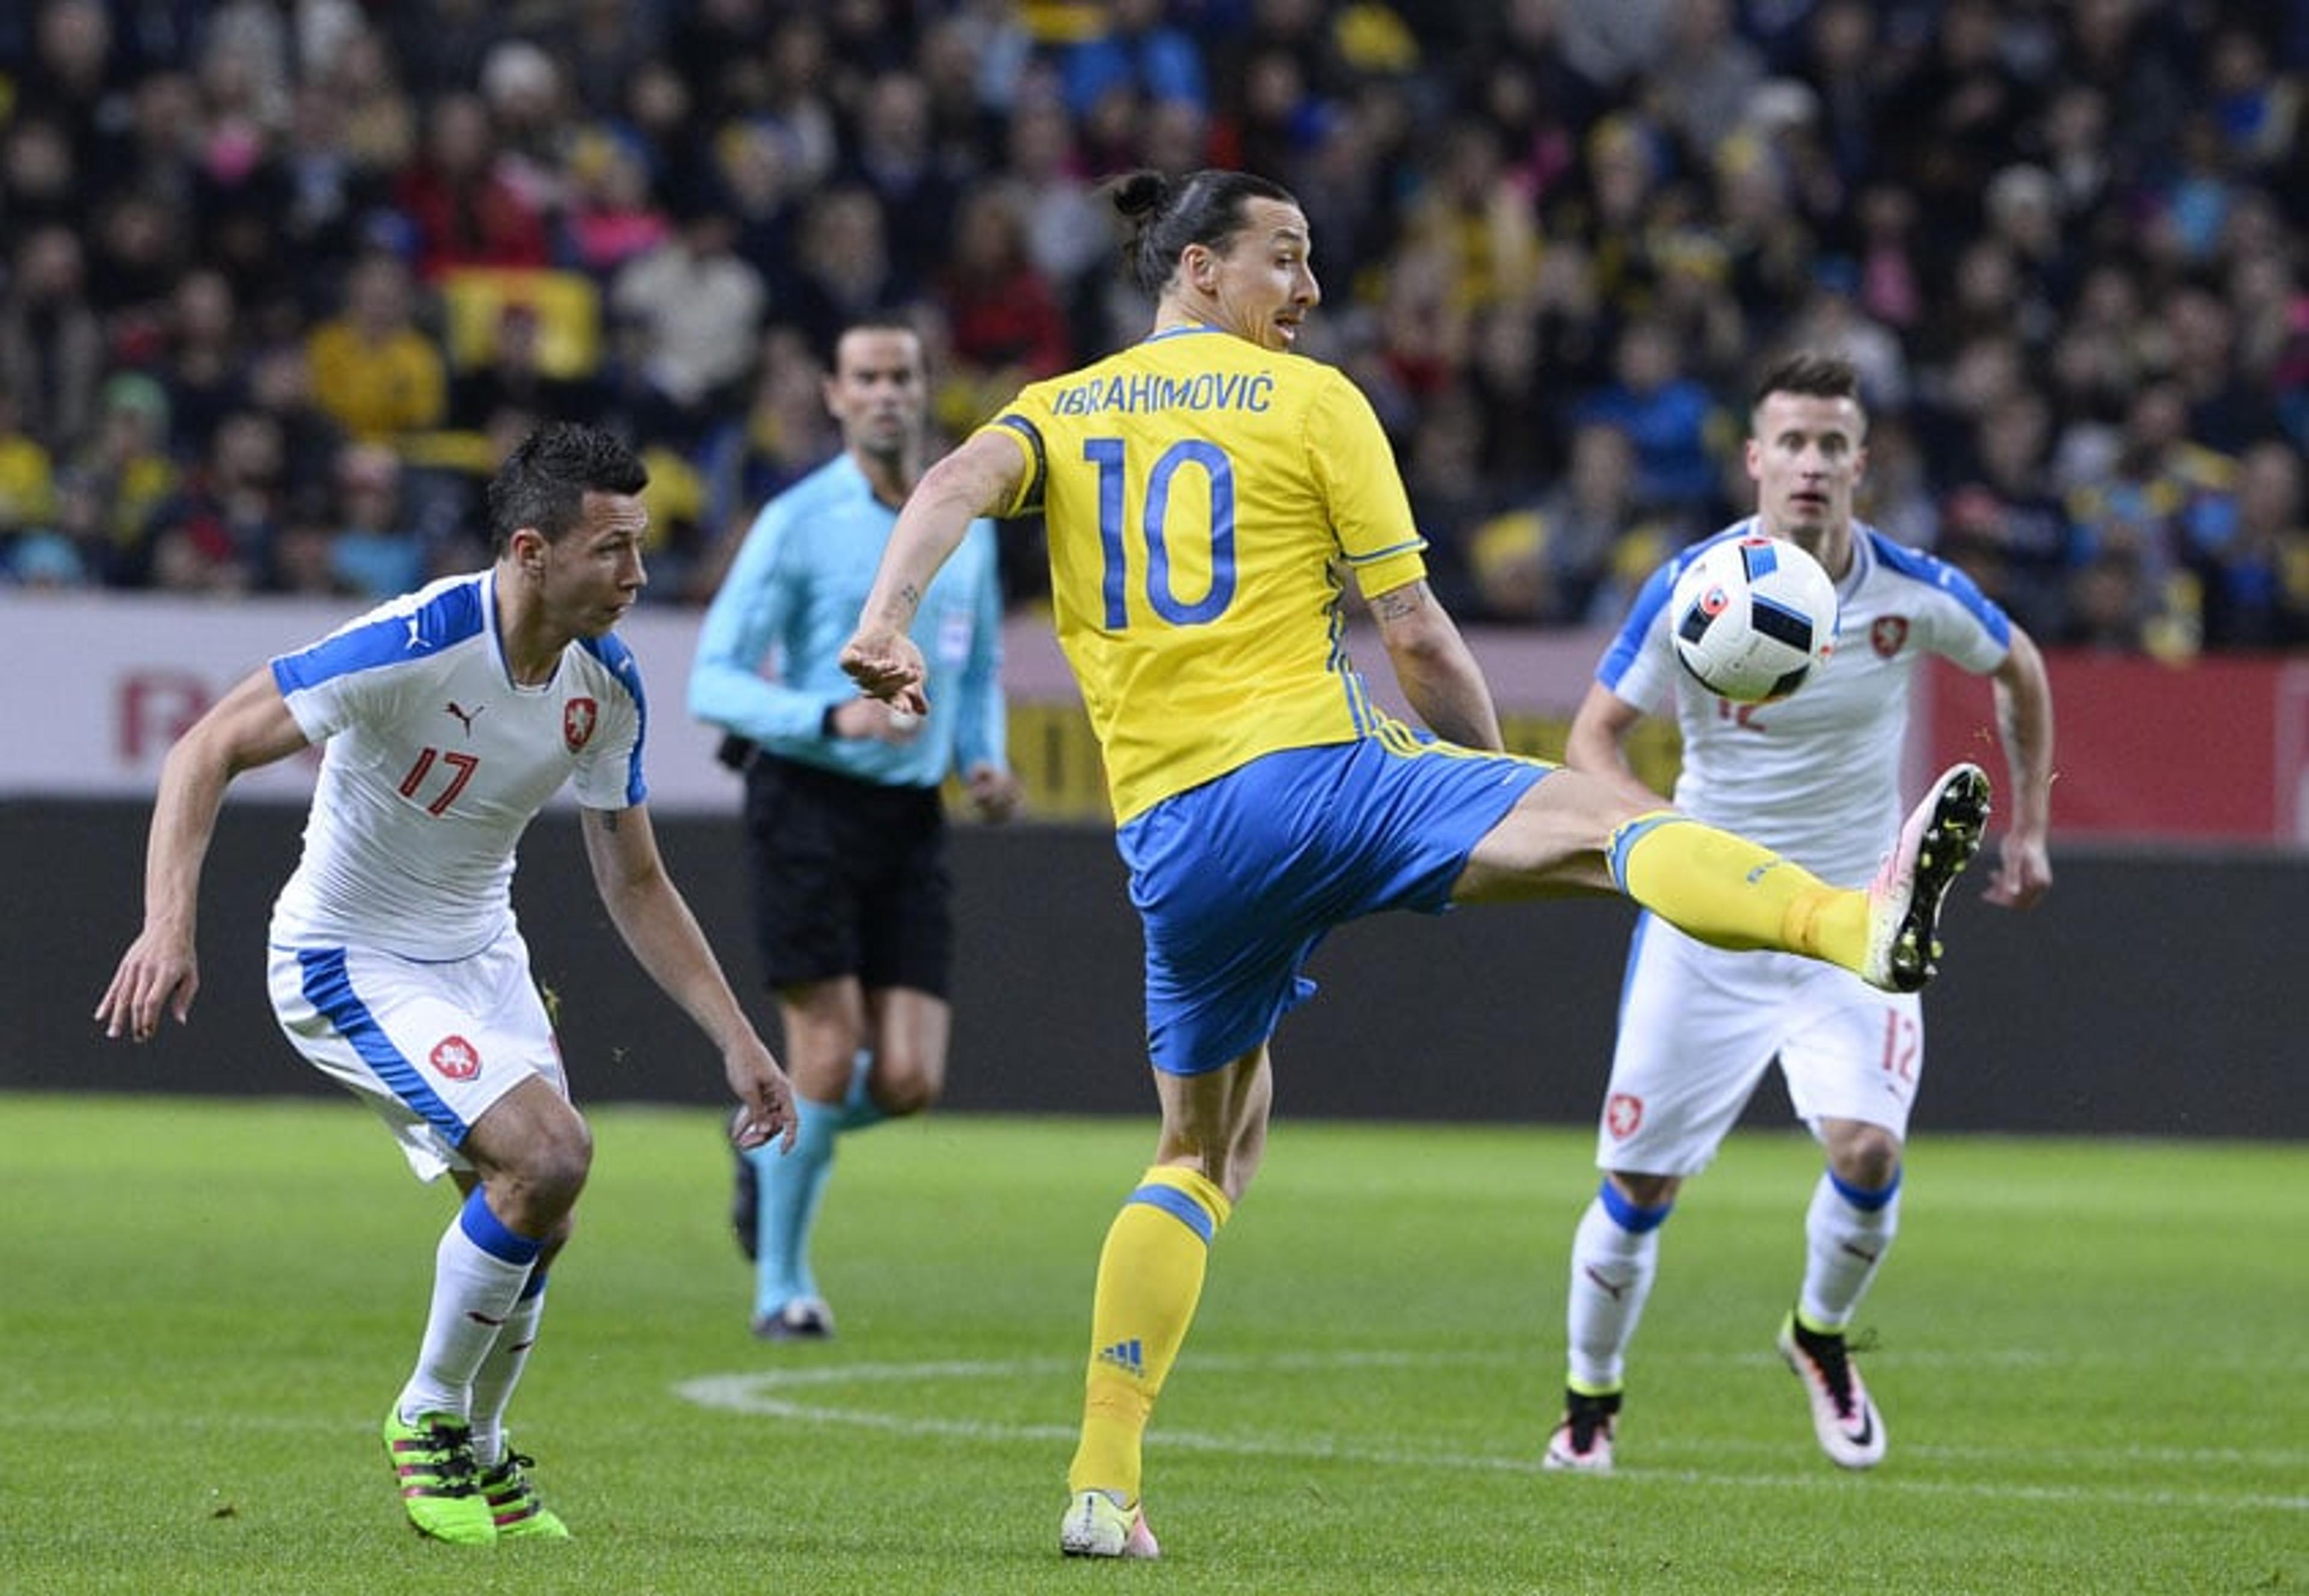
(434, 761)
(1815, 777)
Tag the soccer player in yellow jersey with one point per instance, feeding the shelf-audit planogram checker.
(1207, 492)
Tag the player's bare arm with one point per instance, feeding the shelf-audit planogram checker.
(2024, 724)
(656, 923)
(980, 478)
(1434, 667)
(1598, 742)
(249, 726)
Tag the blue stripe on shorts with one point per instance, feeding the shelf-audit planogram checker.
(329, 988)
(1237, 881)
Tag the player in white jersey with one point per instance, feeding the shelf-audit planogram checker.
(448, 718)
(1817, 777)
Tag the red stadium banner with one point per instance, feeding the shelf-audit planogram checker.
(2212, 751)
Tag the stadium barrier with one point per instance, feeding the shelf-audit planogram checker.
(2145, 997)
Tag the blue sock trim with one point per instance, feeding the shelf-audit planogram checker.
(1862, 1198)
(1626, 837)
(1629, 1218)
(1180, 1206)
(485, 1230)
(533, 1287)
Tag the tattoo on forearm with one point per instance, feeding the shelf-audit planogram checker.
(909, 600)
(609, 820)
(1395, 603)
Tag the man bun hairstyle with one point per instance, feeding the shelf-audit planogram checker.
(1164, 217)
(544, 481)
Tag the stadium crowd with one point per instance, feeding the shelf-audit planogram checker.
(284, 278)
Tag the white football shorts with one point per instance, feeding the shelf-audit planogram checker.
(1698, 1026)
(428, 1046)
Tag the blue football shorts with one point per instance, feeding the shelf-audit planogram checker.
(1237, 881)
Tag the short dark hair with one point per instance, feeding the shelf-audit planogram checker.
(1164, 217)
(544, 481)
(1811, 373)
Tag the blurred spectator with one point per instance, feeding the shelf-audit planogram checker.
(783, 433)
(40, 176)
(465, 210)
(69, 85)
(793, 97)
(222, 530)
(601, 45)
(1832, 320)
(2158, 506)
(107, 493)
(2227, 409)
(2004, 525)
(514, 375)
(201, 361)
(1665, 414)
(2253, 555)
(611, 216)
(375, 372)
(51, 343)
(1004, 324)
(1068, 228)
(841, 271)
(687, 314)
(280, 386)
(1137, 53)
(28, 488)
(896, 160)
(2109, 605)
(1574, 558)
(137, 256)
(377, 120)
(375, 554)
(1700, 85)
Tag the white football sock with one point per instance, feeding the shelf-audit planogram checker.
(478, 1273)
(1847, 1234)
(500, 1371)
(1612, 1270)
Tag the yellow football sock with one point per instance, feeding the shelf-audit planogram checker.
(1730, 893)
(1150, 1277)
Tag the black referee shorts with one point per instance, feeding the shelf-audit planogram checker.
(850, 878)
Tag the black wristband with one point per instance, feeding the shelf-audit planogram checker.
(825, 727)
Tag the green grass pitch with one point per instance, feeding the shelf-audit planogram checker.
(2094, 1366)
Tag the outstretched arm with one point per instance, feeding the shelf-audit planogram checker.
(2024, 724)
(655, 921)
(980, 478)
(249, 727)
(1434, 667)
(1598, 742)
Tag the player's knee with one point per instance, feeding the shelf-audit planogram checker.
(1868, 1159)
(551, 1170)
(1646, 1191)
(905, 1081)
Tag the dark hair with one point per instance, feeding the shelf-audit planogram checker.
(1206, 208)
(544, 481)
(1811, 373)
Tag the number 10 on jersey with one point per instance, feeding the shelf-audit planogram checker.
(1159, 533)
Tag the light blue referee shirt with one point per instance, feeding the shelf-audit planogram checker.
(768, 667)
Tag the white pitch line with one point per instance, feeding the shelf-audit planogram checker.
(754, 1393)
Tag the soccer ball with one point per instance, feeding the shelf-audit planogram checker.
(1753, 618)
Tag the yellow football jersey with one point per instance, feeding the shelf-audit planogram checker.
(1202, 496)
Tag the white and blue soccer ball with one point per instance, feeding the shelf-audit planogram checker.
(1752, 618)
